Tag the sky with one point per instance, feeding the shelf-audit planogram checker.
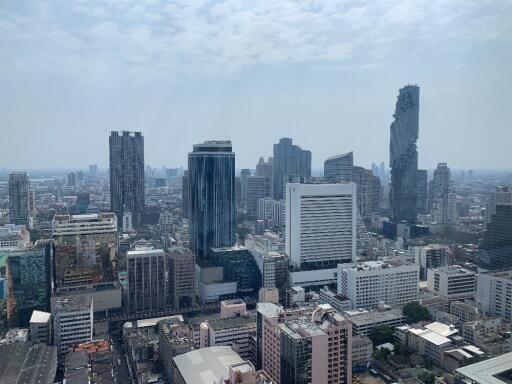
(325, 73)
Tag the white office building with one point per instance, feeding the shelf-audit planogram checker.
(452, 282)
(370, 283)
(40, 327)
(320, 224)
(494, 293)
(73, 321)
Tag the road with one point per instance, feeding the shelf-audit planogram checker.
(121, 373)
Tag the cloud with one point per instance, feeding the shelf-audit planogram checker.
(156, 39)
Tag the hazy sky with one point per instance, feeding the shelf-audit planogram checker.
(325, 73)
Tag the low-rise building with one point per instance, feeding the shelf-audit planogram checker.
(362, 350)
(364, 322)
(40, 327)
(452, 282)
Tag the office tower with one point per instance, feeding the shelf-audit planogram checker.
(93, 171)
(501, 196)
(369, 283)
(368, 192)
(443, 199)
(28, 284)
(338, 169)
(422, 191)
(404, 154)
(211, 168)
(431, 256)
(127, 174)
(146, 280)
(85, 248)
(238, 265)
(186, 194)
(264, 168)
(73, 320)
(452, 282)
(288, 160)
(71, 180)
(496, 247)
(244, 174)
(494, 290)
(256, 187)
(320, 224)
(181, 275)
(271, 211)
(19, 199)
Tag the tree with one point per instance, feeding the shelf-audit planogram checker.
(382, 334)
(415, 312)
(427, 377)
(382, 353)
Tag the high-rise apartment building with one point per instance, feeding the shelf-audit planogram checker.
(496, 247)
(494, 292)
(19, 209)
(304, 347)
(320, 224)
(73, 320)
(28, 284)
(288, 160)
(146, 280)
(211, 168)
(85, 248)
(501, 196)
(370, 283)
(404, 154)
(127, 174)
(181, 276)
(256, 187)
(338, 169)
(368, 192)
(264, 168)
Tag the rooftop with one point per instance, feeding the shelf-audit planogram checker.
(362, 316)
(206, 365)
(24, 363)
(40, 317)
(73, 303)
(488, 371)
(235, 322)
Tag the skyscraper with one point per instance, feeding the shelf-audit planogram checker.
(339, 168)
(496, 247)
(368, 192)
(264, 168)
(442, 198)
(211, 167)
(29, 285)
(288, 160)
(19, 198)
(404, 154)
(421, 191)
(320, 224)
(127, 174)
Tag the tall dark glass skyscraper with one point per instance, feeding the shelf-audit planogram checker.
(288, 160)
(404, 154)
(19, 199)
(127, 174)
(211, 170)
(339, 168)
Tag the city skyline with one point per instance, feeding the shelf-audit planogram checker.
(119, 66)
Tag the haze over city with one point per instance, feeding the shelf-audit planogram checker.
(322, 72)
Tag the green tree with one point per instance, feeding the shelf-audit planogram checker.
(382, 334)
(382, 353)
(415, 312)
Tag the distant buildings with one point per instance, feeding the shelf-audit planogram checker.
(19, 208)
(368, 192)
(14, 236)
(443, 199)
(85, 248)
(289, 160)
(73, 322)
(127, 174)
(404, 154)
(211, 168)
(501, 196)
(320, 224)
(29, 284)
(146, 280)
(370, 283)
(339, 168)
